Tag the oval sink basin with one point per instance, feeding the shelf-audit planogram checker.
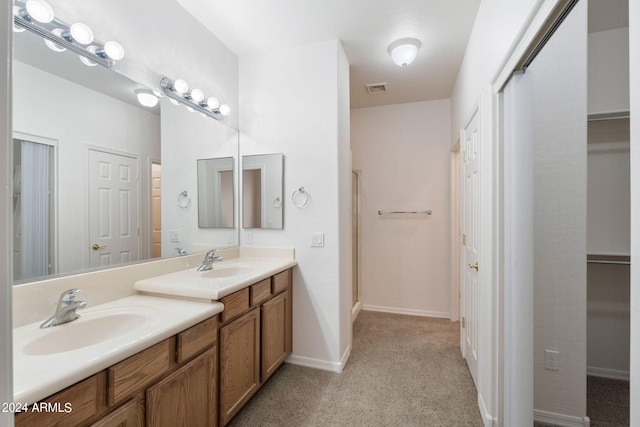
(225, 272)
(84, 332)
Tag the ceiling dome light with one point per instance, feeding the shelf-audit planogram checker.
(197, 95)
(81, 33)
(55, 46)
(146, 97)
(114, 50)
(40, 11)
(404, 51)
(180, 86)
(225, 110)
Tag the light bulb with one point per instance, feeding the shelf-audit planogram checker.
(114, 50)
(225, 110)
(213, 102)
(197, 95)
(173, 101)
(146, 97)
(86, 61)
(81, 33)
(55, 46)
(40, 11)
(180, 86)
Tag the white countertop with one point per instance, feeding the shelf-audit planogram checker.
(223, 279)
(36, 376)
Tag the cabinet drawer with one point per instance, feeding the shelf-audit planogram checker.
(136, 372)
(260, 292)
(197, 338)
(235, 304)
(131, 414)
(82, 400)
(281, 281)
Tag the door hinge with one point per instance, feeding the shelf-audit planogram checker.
(464, 322)
(464, 239)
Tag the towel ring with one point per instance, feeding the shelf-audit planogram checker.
(184, 201)
(300, 198)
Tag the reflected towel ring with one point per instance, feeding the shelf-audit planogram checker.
(300, 198)
(184, 201)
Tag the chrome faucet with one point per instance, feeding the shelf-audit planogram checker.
(182, 252)
(209, 258)
(66, 309)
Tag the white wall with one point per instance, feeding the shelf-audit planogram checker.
(109, 124)
(292, 102)
(187, 137)
(403, 152)
(609, 71)
(498, 26)
(634, 52)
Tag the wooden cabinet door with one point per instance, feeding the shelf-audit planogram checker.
(274, 322)
(187, 397)
(239, 363)
(131, 414)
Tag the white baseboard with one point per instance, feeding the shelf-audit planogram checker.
(324, 365)
(560, 419)
(408, 311)
(355, 310)
(608, 373)
(487, 419)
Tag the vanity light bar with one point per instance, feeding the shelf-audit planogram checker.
(45, 30)
(167, 86)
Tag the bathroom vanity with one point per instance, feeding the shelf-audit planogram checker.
(196, 375)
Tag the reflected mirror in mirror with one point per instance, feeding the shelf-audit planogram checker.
(92, 185)
(262, 191)
(215, 193)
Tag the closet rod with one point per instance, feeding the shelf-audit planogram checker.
(608, 259)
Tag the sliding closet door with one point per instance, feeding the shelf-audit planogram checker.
(545, 168)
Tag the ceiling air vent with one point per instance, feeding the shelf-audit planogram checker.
(376, 87)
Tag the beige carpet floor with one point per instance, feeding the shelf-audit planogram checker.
(403, 371)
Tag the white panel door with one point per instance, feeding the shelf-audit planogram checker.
(470, 283)
(113, 209)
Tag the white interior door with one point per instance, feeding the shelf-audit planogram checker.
(113, 209)
(470, 283)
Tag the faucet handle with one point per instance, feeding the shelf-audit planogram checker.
(69, 295)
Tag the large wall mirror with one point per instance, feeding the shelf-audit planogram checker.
(100, 180)
(262, 191)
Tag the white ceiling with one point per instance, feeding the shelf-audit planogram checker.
(365, 27)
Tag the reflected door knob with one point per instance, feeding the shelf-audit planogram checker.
(474, 265)
(96, 247)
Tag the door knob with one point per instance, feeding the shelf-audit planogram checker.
(474, 265)
(96, 247)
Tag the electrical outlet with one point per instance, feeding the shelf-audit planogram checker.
(551, 359)
(174, 236)
(317, 239)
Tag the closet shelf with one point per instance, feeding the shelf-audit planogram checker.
(608, 259)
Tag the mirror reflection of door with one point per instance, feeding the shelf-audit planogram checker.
(33, 209)
(156, 217)
(216, 193)
(113, 209)
(252, 198)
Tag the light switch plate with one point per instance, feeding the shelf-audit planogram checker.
(317, 240)
(174, 236)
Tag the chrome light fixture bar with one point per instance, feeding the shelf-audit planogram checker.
(194, 99)
(93, 50)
